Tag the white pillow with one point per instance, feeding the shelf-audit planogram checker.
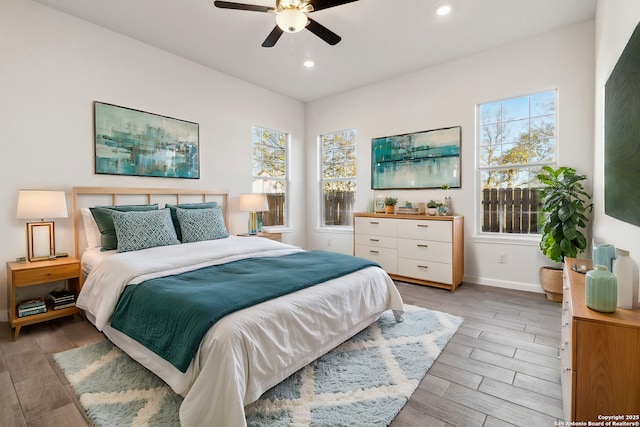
(91, 230)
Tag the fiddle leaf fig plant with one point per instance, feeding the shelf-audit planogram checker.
(564, 205)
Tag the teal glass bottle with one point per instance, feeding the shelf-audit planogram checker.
(601, 293)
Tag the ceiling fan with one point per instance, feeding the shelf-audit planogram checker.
(292, 17)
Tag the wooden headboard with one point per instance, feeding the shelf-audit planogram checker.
(96, 196)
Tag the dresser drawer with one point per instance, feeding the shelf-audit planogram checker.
(376, 241)
(425, 230)
(376, 226)
(426, 250)
(46, 274)
(425, 270)
(386, 257)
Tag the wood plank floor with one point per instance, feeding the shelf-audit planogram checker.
(501, 368)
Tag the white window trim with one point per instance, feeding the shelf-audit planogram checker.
(286, 227)
(346, 229)
(506, 238)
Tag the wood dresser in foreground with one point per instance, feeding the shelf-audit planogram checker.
(422, 249)
(600, 357)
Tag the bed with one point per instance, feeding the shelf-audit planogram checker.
(247, 351)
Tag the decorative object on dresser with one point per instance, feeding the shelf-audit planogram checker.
(33, 204)
(599, 355)
(255, 204)
(390, 204)
(140, 140)
(414, 248)
(20, 275)
(432, 207)
(623, 268)
(601, 290)
(564, 205)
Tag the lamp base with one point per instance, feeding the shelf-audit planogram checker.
(253, 223)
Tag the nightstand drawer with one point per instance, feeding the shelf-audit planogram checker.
(35, 276)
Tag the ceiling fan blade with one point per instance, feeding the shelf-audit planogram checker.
(323, 32)
(242, 6)
(325, 4)
(273, 37)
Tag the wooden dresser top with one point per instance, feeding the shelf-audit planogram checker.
(579, 308)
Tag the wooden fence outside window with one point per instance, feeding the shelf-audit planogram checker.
(510, 210)
(338, 207)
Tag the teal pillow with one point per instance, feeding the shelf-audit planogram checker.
(174, 216)
(103, 217)
(201, 224)
(142, 230)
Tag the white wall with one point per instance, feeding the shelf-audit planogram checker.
(615, 22)
(53, 67)
(447, 95)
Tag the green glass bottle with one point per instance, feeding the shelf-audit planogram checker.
(601, 293)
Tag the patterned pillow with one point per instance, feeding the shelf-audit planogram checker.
(201, 224)
(102, 215)
(174, 215)
(141, 230)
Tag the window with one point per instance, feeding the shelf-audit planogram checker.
(338, 177)
(270, 149)
(516, 137)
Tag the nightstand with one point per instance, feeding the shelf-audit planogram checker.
(273, 236)
(36, 273)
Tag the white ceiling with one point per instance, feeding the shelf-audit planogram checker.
(381, 39)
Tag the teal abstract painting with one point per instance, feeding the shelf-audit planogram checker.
(134, 142)
(622, 135)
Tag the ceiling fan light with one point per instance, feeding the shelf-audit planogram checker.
(291, 20)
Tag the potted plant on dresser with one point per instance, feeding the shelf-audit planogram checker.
(389, 204)
(564, 204)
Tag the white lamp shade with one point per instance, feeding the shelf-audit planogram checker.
(40, 204)
(254, 202)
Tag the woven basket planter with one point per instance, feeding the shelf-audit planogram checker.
(551, 281)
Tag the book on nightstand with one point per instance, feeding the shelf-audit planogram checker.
(62, 299)
(32, 306)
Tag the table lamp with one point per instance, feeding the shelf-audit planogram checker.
(41, 204)
(253, 203)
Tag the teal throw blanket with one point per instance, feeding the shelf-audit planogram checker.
(170, 315)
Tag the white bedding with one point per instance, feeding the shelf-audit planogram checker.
(251, 350)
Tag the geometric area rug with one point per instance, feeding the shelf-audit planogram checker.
(364, 381)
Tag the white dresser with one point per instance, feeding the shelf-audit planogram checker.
(427, 250)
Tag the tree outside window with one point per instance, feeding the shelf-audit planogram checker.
(338, 177)
(270, 150)
(516, 138)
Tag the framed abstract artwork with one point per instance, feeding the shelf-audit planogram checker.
(622, 135)
(426, 159)
(134, 142)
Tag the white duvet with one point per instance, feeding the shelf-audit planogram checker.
(251, 350)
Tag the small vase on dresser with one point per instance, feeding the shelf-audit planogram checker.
(623, 270)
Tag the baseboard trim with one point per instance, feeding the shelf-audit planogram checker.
(521, 286)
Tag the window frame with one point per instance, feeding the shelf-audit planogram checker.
(502, 236)
(322, 180)
(285, 180)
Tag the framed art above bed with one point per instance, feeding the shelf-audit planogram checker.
(134, 142)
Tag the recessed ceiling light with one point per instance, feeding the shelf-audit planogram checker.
(308, 63)
(443, 9)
